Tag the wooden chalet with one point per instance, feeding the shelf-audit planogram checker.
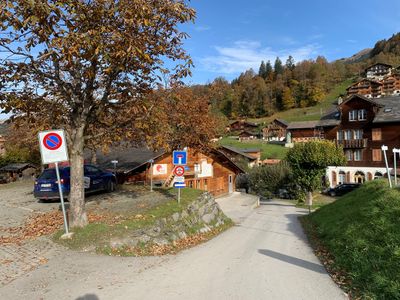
(2, 145)
(378, 71)
(214, 172)
(366, 87)
(242, 125)
(391, 85)
(365, 125)
(276, 130)
(246, 135)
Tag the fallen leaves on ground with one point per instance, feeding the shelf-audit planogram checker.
(176, 246)
(47, 223)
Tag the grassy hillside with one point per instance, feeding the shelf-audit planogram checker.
(361, 230)
(309, 113)
(267, 150)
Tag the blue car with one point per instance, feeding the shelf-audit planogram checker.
(95, 179)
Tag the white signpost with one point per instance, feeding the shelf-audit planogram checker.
(53, 149)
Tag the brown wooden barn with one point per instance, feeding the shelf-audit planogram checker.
(242, 125)
(213, 172)
(304, 131)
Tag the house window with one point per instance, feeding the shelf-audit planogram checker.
(376, 134)
(357, 155)
(348, 135)
(190, 183)
(358, 134)
(342, 177)
(340, 135)
(349, 155)
(376, 155)
(352, 115)
(362, 114)
(378, 175)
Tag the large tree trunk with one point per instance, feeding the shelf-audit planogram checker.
(78, 216)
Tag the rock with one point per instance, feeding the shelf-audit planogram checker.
(131, 242)
(202, 211)
(160, 241)
(208, 218)
(182, 235)
(184, 214)
(204, 229)
(175, 217)
(144, 239)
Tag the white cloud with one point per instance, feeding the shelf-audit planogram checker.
(352, 41)
(249, 54)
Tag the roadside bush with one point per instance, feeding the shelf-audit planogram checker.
(242, 182)
(266, 180)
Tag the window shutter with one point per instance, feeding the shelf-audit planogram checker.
(334, 180)
(376, 134)
(376, 155)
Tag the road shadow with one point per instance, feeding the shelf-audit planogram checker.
(88, 297)
(294, 261)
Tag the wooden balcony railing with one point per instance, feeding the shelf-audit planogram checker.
(358, 143)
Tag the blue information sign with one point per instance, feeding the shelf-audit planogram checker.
(179, 158)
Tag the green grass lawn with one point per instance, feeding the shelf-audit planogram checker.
(361, 232)
(267, 150)
(319, 200)
(309, 113)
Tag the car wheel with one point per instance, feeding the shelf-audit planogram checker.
(110, 186)
(332, 194)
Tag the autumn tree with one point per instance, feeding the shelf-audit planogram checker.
(87, 67)
(262, 71)
(287, 99)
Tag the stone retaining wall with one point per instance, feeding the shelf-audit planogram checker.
(200, 216)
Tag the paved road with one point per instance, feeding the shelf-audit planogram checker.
(265, 256)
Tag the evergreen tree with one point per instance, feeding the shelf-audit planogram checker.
(262, 72)
(290, 63)
(278, 67)
(268, 70)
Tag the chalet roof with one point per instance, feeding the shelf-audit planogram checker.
(17, 167)
(237, 151)
(364, 79)
(250, 150)
(129, 158)
(331, 118)
(303, 125)
(244, 122)
(375, 64)
(389, 111)
(371, 101)
(283, 122)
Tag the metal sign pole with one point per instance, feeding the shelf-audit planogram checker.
(395, 168)
(151, 175)
(62, 199)
(179, 196)
(384, 149)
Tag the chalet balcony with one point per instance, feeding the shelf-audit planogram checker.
(358, 143)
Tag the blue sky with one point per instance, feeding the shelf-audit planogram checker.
(229, 37)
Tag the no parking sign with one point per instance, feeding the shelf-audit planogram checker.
(53, 147)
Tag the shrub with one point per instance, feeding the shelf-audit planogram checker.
(266, 180)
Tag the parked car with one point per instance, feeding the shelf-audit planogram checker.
(342, 189)
(95, 179)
